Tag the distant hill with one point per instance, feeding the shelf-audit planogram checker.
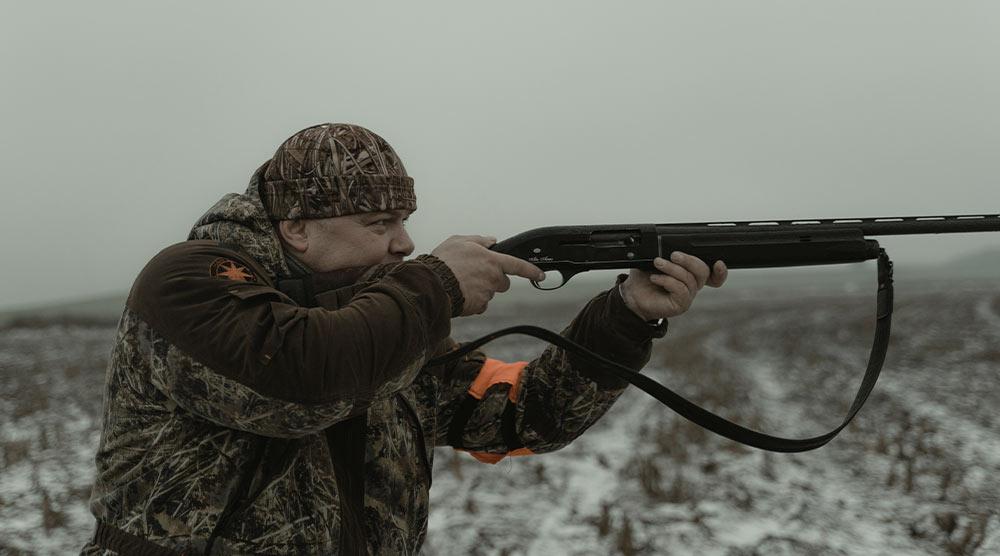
(985, 263)
(103, 309)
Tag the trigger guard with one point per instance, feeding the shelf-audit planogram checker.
(562, 282)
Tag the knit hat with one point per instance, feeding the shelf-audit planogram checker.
(333, 170)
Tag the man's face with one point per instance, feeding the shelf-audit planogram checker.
(357, 240)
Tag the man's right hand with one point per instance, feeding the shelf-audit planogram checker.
(481, 272)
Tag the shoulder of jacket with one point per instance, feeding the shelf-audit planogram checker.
(193, 273)
(206, 258)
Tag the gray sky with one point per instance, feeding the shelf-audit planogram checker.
(122, 123)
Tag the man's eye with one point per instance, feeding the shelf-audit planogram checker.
(379, 222)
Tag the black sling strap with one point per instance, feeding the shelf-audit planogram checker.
(346, 441)
(703, 417)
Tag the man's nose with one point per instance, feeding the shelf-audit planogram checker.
(402, 244)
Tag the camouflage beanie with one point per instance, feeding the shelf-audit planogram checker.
(334, 170)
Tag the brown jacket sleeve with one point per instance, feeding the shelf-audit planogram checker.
(259, 362)
(543, 405)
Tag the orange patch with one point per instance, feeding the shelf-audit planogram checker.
(231, 270)
(493, 459)
(495, 371)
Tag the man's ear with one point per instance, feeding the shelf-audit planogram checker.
(294, 234)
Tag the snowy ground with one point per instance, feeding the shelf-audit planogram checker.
(917, 473)
(51, 379)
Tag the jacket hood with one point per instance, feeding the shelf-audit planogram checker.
(240, 220)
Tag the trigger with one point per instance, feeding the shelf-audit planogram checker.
(562, 282)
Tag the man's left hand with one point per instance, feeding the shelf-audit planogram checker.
(654, 296)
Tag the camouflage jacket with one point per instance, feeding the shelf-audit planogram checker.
(304, 421)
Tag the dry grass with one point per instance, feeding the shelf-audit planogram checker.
(921, 458)
(51, 381)
(675, 463)
(15, 451)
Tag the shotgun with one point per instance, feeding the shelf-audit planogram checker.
(571, 250)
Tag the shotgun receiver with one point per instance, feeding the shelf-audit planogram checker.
(571, 250)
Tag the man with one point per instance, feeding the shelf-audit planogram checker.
(268, 394)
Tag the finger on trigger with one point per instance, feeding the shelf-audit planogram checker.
(519, 267)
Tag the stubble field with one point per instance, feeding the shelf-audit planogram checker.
(918, 472)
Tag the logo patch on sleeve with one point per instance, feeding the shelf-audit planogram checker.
(231, 270)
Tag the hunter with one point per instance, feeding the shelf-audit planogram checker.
(267, 391)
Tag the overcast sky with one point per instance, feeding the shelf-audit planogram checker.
(122, 122)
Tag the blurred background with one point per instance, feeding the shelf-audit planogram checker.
(123, 122)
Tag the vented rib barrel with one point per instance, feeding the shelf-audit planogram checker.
(902, 225)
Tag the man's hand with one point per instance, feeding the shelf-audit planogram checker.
(654, 296)
(481, 272)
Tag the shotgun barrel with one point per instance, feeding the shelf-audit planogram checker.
(571, 250)
(903, 225)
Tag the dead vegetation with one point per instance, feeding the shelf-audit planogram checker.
(51, 379)
(675, 470)
(921, 461)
